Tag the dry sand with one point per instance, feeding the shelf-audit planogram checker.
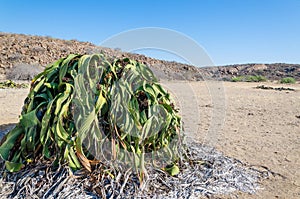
(259, 127)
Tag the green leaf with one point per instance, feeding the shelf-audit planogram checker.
(101, 101)
(13, 167)
(172, 170)
(29, 119)
(61, 132)
(62, 97)
(9, 143)
(146, 73)
(44, 135)
(64, 67)
(73, 161)
(148, 88)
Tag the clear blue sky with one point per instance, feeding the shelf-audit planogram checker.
(231, 31)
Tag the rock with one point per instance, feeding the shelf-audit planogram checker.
(24, 49)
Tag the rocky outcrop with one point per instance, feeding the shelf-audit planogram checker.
(18, 53)
(18, 49)
(270, 71)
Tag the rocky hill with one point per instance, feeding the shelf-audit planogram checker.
(274, 71)
(23, 56)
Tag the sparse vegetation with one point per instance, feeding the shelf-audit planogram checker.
(272, 88)
(288, 80)
(237, 79)
(12, 84)
(250, 78)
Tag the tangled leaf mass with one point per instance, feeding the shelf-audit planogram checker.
(91, 128)
(84, 110)
(205, 172)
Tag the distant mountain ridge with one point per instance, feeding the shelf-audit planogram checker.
(21, 53)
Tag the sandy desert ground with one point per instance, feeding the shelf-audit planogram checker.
(258, 127)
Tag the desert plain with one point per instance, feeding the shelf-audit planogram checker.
(258, 127)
